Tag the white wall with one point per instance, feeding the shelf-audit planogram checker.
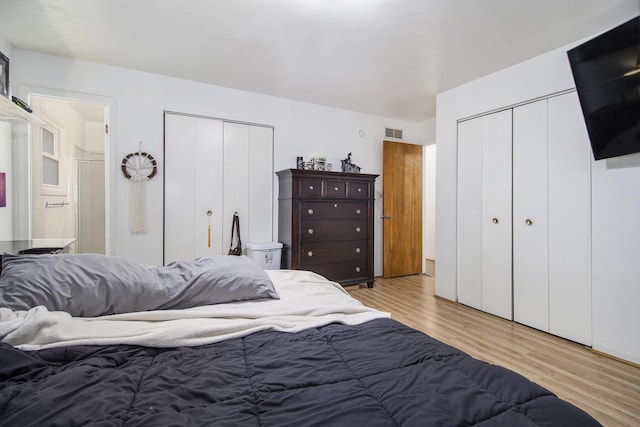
(93, 137)
(615, 199)
(426, 131)
(300, 129)
(429, 217)
(615, 241)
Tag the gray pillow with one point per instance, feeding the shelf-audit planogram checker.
(90, 285)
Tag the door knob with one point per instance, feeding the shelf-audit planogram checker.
(387, 216)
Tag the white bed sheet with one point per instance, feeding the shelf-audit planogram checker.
(307, 300)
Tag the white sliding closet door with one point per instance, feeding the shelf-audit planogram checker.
(484, 213)
(569, 221)
(260, 216)
(192, 167)
(532, 162)
(217, 166)
(496, 214)
(552, 219)
(236, 177)
(248, 181)
(530, 237)
(470, 213)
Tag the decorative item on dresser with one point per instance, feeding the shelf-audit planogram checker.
(326, 224)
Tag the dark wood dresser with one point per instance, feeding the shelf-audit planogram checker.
(326, 224)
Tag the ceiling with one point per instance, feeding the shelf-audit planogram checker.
(382, 57)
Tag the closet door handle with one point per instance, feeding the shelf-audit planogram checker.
(495, 220)
(528, 221)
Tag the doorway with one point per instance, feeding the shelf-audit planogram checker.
(68, 181)
(402, 209)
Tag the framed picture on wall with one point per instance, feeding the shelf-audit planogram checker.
(4, 76)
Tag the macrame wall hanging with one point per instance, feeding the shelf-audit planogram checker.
(139, 168)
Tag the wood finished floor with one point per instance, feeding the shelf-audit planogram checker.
(608, 389)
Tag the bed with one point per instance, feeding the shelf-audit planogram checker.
(95, 340)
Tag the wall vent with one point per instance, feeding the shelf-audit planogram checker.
(393, 133)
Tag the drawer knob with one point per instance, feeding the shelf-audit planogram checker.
(335, 188)
(357, 269)
(311, 187)
(358, 211)
(310, 231)
(335, 205)
(357, 229)
(357, 250)
(359, 190)
(310, 211)
(310, 253)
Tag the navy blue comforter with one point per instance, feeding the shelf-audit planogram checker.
(380, 373)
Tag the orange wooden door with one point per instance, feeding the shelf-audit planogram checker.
(402, 209)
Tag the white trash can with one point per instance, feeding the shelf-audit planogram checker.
(266, 255)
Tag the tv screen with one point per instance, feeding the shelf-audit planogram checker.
(606, 71)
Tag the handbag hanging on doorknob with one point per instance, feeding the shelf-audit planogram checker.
(235, 229)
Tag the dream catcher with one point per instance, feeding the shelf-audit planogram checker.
(139, 168)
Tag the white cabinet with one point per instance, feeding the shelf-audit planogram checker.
(543, 186)
(484, 213)
(221, 167)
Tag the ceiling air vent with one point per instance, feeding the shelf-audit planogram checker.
(393, 133)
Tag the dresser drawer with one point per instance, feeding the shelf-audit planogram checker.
(334, 189)
(326, 230)
(343, 272)
(358, 190)
(331, 252)
(333, 210)
(310, 187)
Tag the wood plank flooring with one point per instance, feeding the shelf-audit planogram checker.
(608, 389)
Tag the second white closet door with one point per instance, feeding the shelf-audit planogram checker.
(552, 220)
(484, 213)
(193, 170)
(248, 181)
(569, 221)
(530, 236)
(496, 214)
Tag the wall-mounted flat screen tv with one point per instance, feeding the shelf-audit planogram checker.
(606, 71)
